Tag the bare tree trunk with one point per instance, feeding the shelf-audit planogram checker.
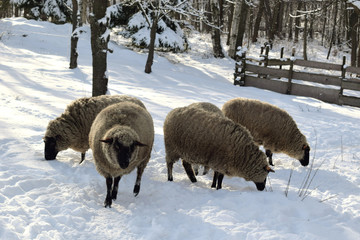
(275, 22)
(215, 32)
(258, 21)
(280, 19)
(83, 11)
(74, 36)
(297, 22)
(305, 37)
(99, 42)
(354, 18)
(333, 37)
(323, 33)
(150, 57)
(269, 20)
(290, 26)
(230, 18)
(234, 29)
(242, 25)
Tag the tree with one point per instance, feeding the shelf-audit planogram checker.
(238, 26)
(59, 11)
(100, 35)
(258, 21)
(155, 20)
(74, 35)
(234, 27)
(216, 19)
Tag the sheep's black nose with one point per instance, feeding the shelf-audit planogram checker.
(260, 186)
(50, 155)
(124, 165)
(123, 161)
(305, 161)
(50, 151)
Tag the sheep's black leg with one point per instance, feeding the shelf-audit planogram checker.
(140, 171)
(196, 169)
(206, 170)
(269, 155)
(82, 157)
(170, 159)
(189, 171)
(108, 200)
(220, 179)
(115, 188)
(213, 185)
(170, 168)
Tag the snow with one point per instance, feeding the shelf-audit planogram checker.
(139, 30)
(61, 199)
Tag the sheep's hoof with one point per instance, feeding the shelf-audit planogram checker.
(113, 195)
(136, 190)
(107, 202)
(193, 180)
(170, 179)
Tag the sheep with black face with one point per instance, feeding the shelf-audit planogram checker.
(71, 129)
(206, 106)
(202, 137)
(121, 139)
(270, 126)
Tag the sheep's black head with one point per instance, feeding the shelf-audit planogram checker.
(121, 152)
(305, 159)
(50, 150)
(261, 185)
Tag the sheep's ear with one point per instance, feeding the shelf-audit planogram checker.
(108, 140)
(306, 147)
(139, 144)
(268, 169)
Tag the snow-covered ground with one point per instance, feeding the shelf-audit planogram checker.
(61, 199)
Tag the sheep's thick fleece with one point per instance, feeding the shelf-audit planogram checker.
(206, 106)
(71, 129)
(269, 125)
(129, 122)
(202, 137)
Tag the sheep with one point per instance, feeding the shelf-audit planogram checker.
(211, 108)
(270, 126)
(71, 129)
(121, 138)
(202, 137)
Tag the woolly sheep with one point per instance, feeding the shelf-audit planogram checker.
(71, 129)
(121, 139)
(270, 126)
(210, 108)
(202, 137)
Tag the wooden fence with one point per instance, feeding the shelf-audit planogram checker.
(332, 83)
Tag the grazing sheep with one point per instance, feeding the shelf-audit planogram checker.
(210, 108)
(121, 139)
(203, 137)
(71, 129)
(270, 126)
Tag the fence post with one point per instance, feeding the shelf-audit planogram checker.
(265, 61)
(239, 76)
(292, 60)
(281, 56)
(343, 75)
(267, 56)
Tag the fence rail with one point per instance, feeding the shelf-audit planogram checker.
(326, 81)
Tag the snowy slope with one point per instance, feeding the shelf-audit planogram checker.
(64, 200)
